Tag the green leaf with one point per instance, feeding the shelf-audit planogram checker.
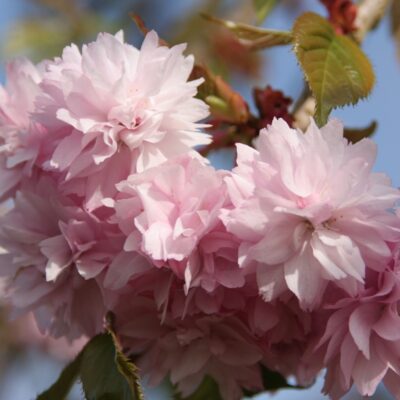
(106, 374)
(129, 370)
(263, 8)
(253, 37)
(218, 105)
(272, 381)
(225, 104)
(336, 69)
(60, 389)
(208, 390)
(355, 135)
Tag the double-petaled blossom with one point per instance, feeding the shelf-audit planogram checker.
(361, 342)
(289, 262)
(309, 210)
(170, 213)
(114, 109)
(20, 136)
(192, 349)
(52, 255)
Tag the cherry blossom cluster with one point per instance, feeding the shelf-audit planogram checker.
(289, 261)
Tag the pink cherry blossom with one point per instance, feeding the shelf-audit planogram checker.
(20, 136)
(114, 110)
(53, 254)
(289, 262)
(309, 210)
(26, 333)
(170, 296)
(284, 332)
(170, 213)
(362, 340)
(189, 350)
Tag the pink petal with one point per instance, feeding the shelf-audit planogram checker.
(360, 326)
(303, 278)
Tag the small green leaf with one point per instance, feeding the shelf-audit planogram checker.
(253, 37)
(263, 8)
(217, 104)
(106, 374)
(272, 381)
(225, 104)
(208, 390)
(336, 69)
(60, 389)
(355, 135)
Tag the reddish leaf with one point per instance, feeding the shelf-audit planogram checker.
(342, 15)
(272, 104)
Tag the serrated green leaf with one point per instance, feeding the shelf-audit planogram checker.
(208, 390)
(60, 389)
(336, 69)
(106, 374)
(263, 8)
(128, 369)
(253, 37)
(355, 135)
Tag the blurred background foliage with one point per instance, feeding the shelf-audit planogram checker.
(50, 25)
